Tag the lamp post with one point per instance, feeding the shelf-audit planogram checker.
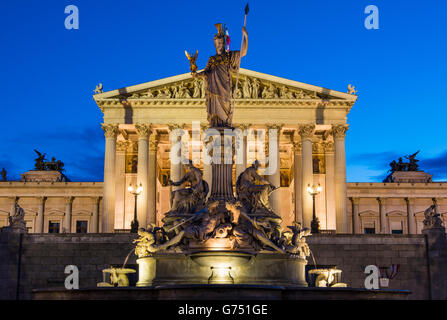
(135, 191)
(314, 224)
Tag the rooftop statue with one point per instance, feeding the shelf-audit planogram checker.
(217, 75)
(43, 165)
(404, 166)
(3, 173)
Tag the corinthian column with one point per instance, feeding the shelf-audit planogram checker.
(143, 131)
(240, 167)
(330, 185)
(306, 132)
(120, 183)
(342, 222)
(108, 217)
(275, 178)
(176, 168)
(152, 178)
(297, 181)
(67, 216)
(40, 215)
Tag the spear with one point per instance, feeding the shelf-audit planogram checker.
(242, 43)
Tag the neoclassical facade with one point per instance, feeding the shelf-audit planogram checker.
(311, 125)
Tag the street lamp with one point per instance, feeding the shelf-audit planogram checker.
(315, 224)
(135, 191)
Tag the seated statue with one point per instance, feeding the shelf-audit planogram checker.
(253, 190)
(191, 199)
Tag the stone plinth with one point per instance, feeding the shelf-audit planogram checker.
(409, 177)
(146, 271)
(220, 292)
(43, 176)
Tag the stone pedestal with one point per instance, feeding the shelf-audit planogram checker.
(222, 173)
(146, 271)
(43, 176)
(409, 177)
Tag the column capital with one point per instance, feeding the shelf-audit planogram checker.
(381, 200)
(110, 130)
(306, 131)
(297, 146)
(153, 142)
(274, 126)
(174, 126)
(242, 126)
(42, 199)
(96, 199)
(121, 146)
(143, 130)
(354, 200)
(328, 146)
(69, 200)
(339, 131)
(409, 200)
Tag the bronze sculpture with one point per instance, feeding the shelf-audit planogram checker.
(253, 190)
(190, 199)
(217, 75)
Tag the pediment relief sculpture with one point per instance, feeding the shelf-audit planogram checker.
(248, 88)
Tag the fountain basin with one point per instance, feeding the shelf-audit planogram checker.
(221, 264)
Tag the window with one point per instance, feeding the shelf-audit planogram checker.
(81, 226)
(53, 227)
(370, 230)
(396, 227)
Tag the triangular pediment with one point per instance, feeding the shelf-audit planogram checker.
(252, 85)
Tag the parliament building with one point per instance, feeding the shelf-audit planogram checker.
(311, 122)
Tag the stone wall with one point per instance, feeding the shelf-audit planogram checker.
(352, 253)
(45, 256)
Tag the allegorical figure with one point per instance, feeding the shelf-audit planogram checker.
(253, 190)
(217, 75)
(189, 199)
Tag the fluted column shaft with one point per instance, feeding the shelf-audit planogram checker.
(152, 179)
(143, 131)
(411, 221)
(330, 185)
(341, 213)
(240, 167)
(275, 178)
(40, 215)
(306, 133)
(95, 215)
(120, 182)
(66, 227)
(108, 217)
(297, 182)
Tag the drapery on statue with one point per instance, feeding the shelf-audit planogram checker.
(253, 190)
(217, 75)
(190, 199)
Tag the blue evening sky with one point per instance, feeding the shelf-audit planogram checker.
(48, 73)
